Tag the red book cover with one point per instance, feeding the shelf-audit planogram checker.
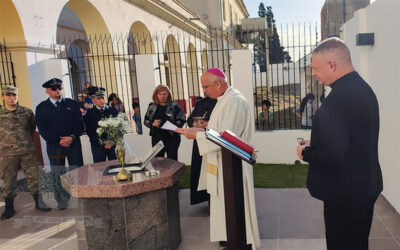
(237, 141)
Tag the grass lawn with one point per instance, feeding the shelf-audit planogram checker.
(268, 176)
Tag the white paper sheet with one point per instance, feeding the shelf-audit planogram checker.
(169, 126)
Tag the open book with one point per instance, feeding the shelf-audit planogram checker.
(134, 164)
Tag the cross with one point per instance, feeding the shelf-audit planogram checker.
(58, 156)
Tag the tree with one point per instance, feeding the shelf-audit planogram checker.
(259, 43)
(276, 51)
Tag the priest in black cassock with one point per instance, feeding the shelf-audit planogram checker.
(344, 168)
(92, 118)
(202, 109)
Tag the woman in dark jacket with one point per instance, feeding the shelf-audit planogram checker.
(115, 102)
(163, 109)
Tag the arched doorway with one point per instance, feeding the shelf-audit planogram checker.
(173, 68)
(142, 37)
(192, 73)
(204, 60)
(80, 64)
(82, 31)
(139, 42)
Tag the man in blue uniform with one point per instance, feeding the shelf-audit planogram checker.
(60, 123)
(93, 116)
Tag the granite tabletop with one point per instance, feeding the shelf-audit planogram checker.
(88, 181)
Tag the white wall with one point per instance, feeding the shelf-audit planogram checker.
(379, 65)
(40, 24)
(280, 74)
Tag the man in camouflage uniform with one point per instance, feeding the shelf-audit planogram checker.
(17, 150)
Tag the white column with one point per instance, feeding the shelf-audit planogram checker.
(146, 81)
(242, 75)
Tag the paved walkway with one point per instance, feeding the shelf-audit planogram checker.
(289, 219)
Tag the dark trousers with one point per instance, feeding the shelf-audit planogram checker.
(101, 154)
(171, 145)
(196, 196)
(57, 155)
(348, 223)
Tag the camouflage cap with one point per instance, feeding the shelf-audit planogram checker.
(9, 89)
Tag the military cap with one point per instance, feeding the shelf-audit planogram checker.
(96, 91)
(54, 82)
(9, 89)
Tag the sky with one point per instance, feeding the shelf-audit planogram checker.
(288, 15)
(292, 13)
(289, 11)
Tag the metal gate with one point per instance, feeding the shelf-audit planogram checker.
(282, 77)
(104, 61)
(7, 76)
(109, 62)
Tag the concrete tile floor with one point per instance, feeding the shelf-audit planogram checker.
(289, 219)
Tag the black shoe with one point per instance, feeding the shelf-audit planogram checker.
(62, 206)
(9, 212)
(39, 203)
(223, 243)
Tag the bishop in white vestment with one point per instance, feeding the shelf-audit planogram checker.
(231, 112)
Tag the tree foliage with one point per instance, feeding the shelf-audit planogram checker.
(276, 50)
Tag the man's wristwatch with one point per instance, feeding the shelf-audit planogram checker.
(73, 137)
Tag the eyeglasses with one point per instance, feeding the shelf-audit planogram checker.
(55, 88)
(206, 87)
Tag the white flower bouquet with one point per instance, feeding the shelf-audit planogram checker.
(113, 129)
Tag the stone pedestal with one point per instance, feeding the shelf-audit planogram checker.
(138, 214)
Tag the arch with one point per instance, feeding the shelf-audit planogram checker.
(12, 33)
(173, 67)
(204, 60)
(89, 16)
(80, 65)
(133, 50)
(139, 42)
(142, 37)
(10, 23)
(192, 73)
(84, 33)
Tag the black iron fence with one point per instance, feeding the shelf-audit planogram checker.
(286, 95)
(183, 58)
(110, 62)
(103, 61)
(7, 76)
(282, 75)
